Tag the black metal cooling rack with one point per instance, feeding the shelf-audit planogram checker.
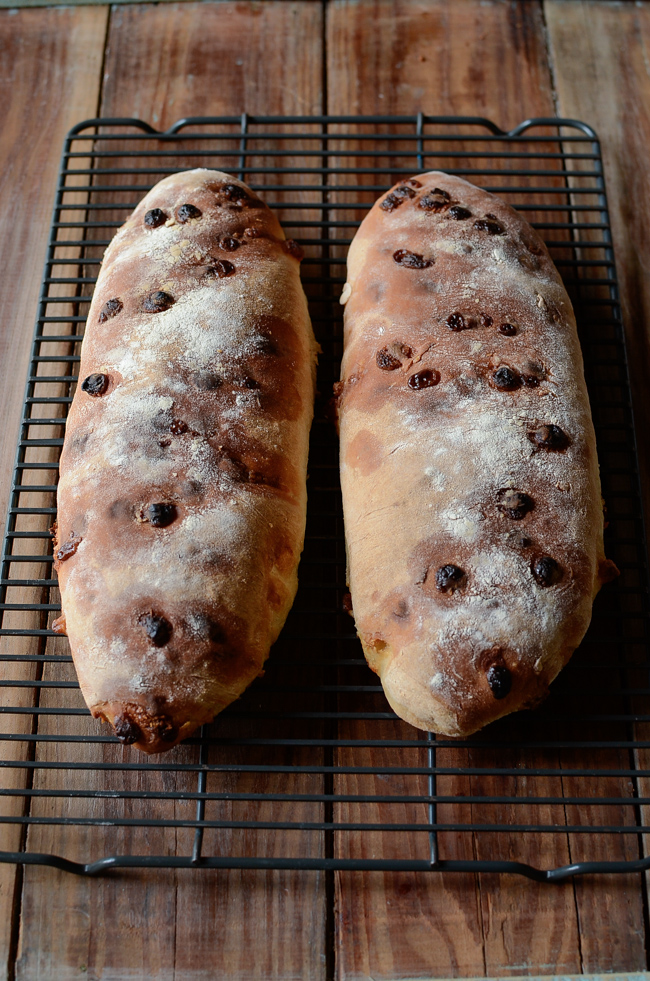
(310, 769)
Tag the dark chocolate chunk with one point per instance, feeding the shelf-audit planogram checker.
(154, 218)
(157, 302)
(292, 248)
(505, 379)
(220, 270)
(157, 628)
(249, 382)
(232, 192)
(404, 191)
(550, 438)
(459, 214)
(68, 548)
(413, 182)
(491, 226)
(546, 571)
(206, 381)
(251, 232)
(449, 578)
(508, 330)
(229, 244)
(161, 515)
(95, 384)
(486, 321)
(500, 680)
(165, 730)
(456, 321)
(413, 260)
(435, 200)
(391, 202)
(110, 309)
(525, 542)
(187, 211)
(178, 427)
(126, 730)
(216, 633)
(387, 361)
(424, 379)
(513, 503)
(401, 611)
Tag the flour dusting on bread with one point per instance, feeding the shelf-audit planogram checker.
(182, 493)
(468, 462)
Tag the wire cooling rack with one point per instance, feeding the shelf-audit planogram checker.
(310, 769)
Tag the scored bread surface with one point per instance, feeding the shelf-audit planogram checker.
(470, 482)
(200, 330)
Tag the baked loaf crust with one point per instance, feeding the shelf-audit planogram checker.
(182, 496)
(471, 494)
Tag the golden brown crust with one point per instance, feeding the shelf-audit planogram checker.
(468, 459)
(182, 493)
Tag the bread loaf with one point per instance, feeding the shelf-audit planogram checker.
(471, 493)
(182, 496)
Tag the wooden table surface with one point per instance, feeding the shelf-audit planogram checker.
(503, 59)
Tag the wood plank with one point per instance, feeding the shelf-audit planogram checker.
(219, 58)
(402, 69)
(489, 59)
(262, 924)
(608, 86)
(399, 924)
(171, 918)
(21, 677)
(405, 56)
(37, 109)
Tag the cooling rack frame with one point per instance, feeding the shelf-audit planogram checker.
(351, 160)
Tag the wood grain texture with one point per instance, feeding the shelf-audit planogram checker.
(400, 924)
(195, 924)
(609, 87)
(445, 57)
(479, 58)
(36, 526)
(38, 106)
(164, 63)
(50, 63)
(489, 59)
